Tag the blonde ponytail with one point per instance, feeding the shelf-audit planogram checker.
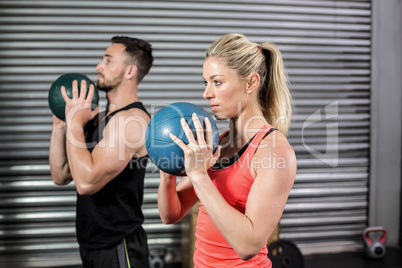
(275, 98)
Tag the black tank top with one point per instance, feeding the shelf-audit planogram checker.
(114, 212)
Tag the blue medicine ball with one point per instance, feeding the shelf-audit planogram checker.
(163, 152)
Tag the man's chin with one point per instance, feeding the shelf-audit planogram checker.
(103, 88)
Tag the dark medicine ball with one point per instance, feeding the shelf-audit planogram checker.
(56, 101)
(163, 152)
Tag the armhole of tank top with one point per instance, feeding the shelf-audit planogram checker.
(272, 129)
(136, 104)
(239, 154)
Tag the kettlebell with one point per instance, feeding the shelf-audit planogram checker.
(157, 257)
(374, 248)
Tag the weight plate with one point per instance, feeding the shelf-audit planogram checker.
(285, 254)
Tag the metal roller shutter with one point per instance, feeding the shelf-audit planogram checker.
(326, 48)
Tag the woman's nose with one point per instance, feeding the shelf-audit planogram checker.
(207, 93)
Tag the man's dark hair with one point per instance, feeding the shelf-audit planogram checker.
(140, 52)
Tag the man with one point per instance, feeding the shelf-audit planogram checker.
(105, 155)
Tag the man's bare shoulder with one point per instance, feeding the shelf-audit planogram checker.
(132, 114)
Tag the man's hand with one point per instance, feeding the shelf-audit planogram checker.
(78, 109)
(58, 123)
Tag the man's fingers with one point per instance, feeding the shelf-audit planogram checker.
(91, 92)
(83, 90)
(75, 89)
(64, 94)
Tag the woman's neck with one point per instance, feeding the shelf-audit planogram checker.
(245, 126)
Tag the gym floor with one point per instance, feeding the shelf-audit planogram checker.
(392, 259)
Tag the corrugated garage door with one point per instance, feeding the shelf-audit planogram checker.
(326, 47)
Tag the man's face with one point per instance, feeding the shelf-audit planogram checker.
(112, 68)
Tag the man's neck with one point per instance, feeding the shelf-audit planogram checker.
(119, 98)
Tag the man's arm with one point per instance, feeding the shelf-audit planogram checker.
(59, 169)
(123, 138)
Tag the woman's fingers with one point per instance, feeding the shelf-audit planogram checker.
(198, 150)
(216, 155)
(208, 132)
(187, 131)
(201, 141)
(199, 130)
(179, 142)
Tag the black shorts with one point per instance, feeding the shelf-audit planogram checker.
(132, 252)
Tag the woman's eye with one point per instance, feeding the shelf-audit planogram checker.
(205, 83)
(217, 83)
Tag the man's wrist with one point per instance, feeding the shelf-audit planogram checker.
(59, 126)
(74, 129)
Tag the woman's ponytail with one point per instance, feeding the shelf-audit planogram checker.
(274, 96)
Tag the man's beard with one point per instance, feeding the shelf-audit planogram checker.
(107, 86)
(103, 87)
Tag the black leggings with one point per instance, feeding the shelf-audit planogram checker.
(132, 250)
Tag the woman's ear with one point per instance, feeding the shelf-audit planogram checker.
(253, 82)
(131, 71)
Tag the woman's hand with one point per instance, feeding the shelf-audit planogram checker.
(78, 109)
(198, 153)
(166, 176)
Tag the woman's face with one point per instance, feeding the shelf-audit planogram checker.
(226, 92)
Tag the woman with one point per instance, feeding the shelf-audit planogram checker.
(242, 187)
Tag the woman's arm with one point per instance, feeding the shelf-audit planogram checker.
(174, 201)
(246, 233)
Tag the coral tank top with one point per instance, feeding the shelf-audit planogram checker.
(234, 183)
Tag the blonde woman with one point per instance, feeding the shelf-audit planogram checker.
(242, 187)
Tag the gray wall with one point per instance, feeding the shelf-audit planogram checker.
(386, 124)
